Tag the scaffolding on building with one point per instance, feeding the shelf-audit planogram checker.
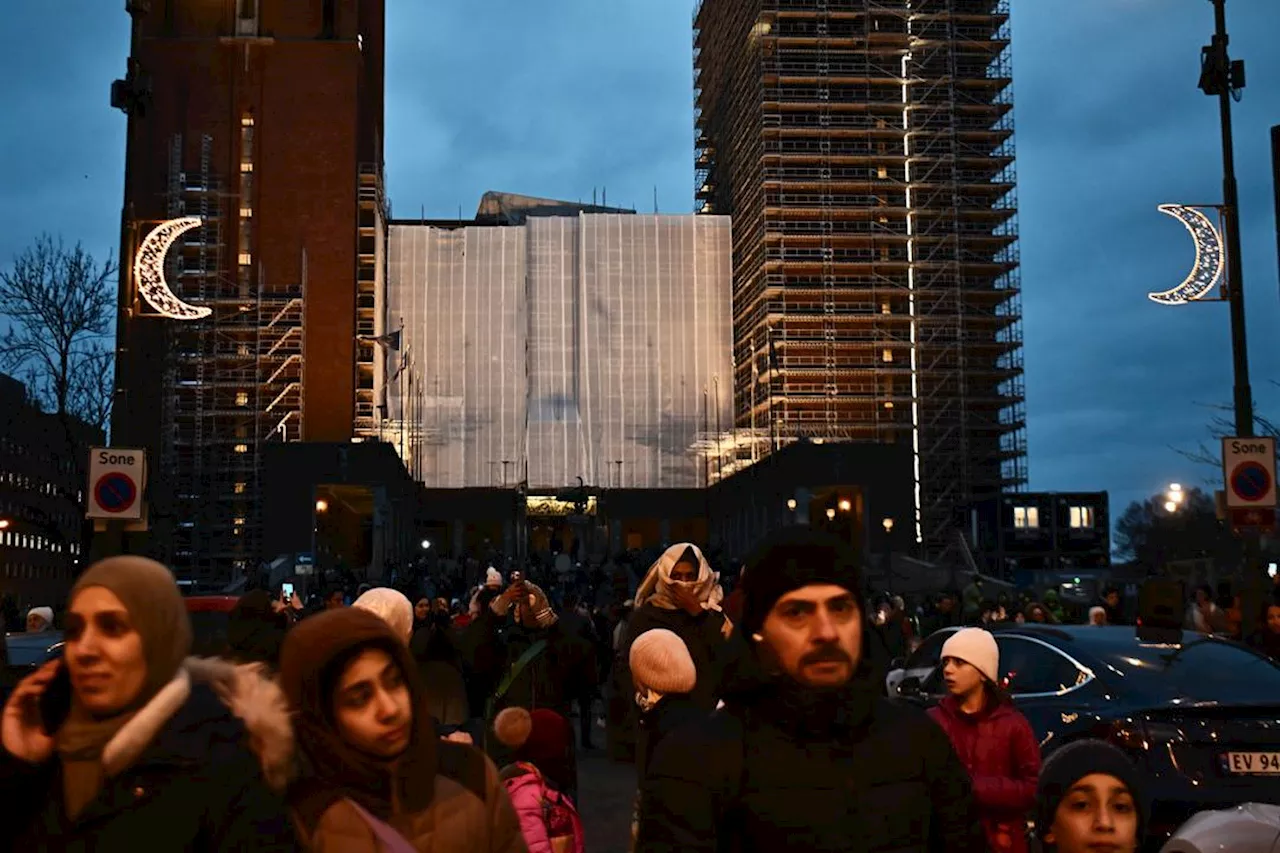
(371, 345)
(233, 381)
(865, 151)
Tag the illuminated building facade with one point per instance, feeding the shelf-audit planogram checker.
(558, 347)
(864, 149)
(263, 118)
(41, 499)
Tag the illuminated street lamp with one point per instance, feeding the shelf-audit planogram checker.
(831, 514)
(791, 504)
(888, 525)
(845, 505)
(426, 544)
(1174, 497)
(322, 505)
(4, 524)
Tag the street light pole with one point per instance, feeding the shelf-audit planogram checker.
(1222, 77)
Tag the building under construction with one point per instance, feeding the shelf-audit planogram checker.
(864, 149)
(263, 118)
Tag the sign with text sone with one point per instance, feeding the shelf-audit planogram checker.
(117, 477)
(1249, 472)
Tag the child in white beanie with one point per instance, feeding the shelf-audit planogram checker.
(664, 676)
(992, 738)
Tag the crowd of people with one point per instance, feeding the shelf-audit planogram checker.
(369, 721)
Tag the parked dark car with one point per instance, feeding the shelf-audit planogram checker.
(1200, 715)
(24, 653)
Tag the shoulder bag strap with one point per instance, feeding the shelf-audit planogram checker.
(389, 840)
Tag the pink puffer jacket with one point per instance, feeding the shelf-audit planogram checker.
(548, 819)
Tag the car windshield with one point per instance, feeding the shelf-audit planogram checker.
(1199, 670)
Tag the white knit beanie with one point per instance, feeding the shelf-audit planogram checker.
(493, 577)
(976, 647)
(660, 662)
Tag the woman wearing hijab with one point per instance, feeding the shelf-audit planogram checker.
(374, 776)
(121, 744)
(681, 594)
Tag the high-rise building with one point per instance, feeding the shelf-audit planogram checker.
(864, 149)
(557, 345)
(263, 119)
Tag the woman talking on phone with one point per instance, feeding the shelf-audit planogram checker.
(118, 747)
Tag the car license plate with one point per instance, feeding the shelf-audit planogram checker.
(1252, 763)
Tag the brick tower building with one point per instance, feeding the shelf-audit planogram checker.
(264, 119)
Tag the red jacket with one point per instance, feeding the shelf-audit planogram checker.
(1002, 756)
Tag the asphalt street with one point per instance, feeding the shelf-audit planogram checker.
(606, 793)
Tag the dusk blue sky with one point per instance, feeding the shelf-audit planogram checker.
(559, 97)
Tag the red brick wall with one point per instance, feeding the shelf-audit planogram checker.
(318, 111)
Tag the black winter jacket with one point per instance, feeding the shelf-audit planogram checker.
(196, 787)
(782, 769)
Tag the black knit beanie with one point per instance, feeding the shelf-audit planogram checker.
(1068, 765)
(789, 559)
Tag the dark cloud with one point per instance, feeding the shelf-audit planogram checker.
(558, 99)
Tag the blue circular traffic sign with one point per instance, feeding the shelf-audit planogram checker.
(1250, 481)
(115, 492)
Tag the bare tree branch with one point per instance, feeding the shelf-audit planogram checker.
(59, 302)
(1222, 424)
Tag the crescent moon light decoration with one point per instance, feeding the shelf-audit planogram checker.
(148, 270)
(1210, 258)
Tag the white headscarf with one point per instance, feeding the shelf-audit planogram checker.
(657, 586)
(391, 606)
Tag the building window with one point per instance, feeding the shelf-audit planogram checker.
(242, 398)
(239, 488)
(246, 167)
(887, 356)
(242, 448)
(246, 259)
(1026, 517)
(246, 213)
(1082, 517)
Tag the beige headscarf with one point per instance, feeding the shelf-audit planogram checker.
(392, 606)
(657, 584)
(156, 610)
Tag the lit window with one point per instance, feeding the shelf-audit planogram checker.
(1082, 517)
(1026, 517)
(246, 166)
(246, 259)
(242, 448)
(888, 404)
(246, 213)
(887, 356)
(882, 173)
(885, 309)
(242, 398)
(239, 521)
(246, 120)
(239, 488)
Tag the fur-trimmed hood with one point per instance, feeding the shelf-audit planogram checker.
(246, 690)
(252, 695)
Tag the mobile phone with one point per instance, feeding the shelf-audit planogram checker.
(286, 592)
(54, 703)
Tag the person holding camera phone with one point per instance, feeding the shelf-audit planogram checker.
(122, 743)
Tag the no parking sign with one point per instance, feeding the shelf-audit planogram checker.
(117, 477)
